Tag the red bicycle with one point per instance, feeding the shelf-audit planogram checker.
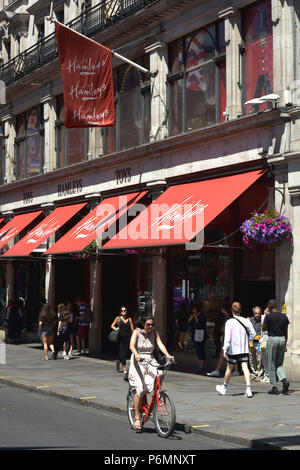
(161, 407)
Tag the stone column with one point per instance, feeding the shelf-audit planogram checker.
(95, 335)
(159, 67)
(49, 264)
(233, 41)
(283, 18)
(10, 157)
(10, 267)
(292, 275)
(159, 273)
(48, 102)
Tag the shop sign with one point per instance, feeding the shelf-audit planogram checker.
(123, 175)
(69, 187)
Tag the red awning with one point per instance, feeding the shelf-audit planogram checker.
(182, 211)
(47, 227)
(15, 226)
(95, 223)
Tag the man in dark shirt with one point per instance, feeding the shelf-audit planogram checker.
(276, 323)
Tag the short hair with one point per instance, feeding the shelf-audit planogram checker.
(272, 304)
(257, 307)
(236, 307)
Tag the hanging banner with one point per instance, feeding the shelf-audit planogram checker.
(87, 79)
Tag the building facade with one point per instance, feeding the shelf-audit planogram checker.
(185, 122)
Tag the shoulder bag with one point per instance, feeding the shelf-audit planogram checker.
(114, 334)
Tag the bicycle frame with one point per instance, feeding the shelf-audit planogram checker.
(147, 408)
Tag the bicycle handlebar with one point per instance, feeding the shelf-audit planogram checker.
(168, 363)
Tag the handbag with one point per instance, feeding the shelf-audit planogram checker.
(113, 336)
(199, 336)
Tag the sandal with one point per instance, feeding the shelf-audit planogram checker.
(139, 427)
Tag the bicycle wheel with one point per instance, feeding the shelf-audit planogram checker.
(131, 410)
(164, 415)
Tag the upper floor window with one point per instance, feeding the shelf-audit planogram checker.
(29, 143)
(258, 62)
(133, 108)
(197, 79)
(70, 143)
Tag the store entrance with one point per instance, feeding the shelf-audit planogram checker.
(119, 287)
(72, 279)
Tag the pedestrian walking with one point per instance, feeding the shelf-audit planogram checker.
(263, 348)
(48, 322)
(123, 323)
(198, 321)
(255, 351)
(71, 329)
(62, 329)
(276, 323)
(238, 332)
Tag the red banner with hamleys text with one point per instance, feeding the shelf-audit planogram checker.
(87, 79)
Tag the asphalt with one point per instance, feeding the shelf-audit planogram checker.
(262, 422)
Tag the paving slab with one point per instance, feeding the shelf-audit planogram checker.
(263, 421)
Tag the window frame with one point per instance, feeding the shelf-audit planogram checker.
(172, 78)
(18, 139)
(59, 125)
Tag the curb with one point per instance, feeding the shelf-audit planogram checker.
(253, 444)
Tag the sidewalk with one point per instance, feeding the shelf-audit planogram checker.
(265, 421)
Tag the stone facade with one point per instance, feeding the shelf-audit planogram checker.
(241, 142)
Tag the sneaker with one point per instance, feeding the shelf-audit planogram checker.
(248, 393)
(221, 389)
(214, 373)
(66, 358)
(64, 353)
(235, 373)
(285, 387)
(273, 391)
(265, 380)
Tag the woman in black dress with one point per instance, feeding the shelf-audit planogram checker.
(124, 324)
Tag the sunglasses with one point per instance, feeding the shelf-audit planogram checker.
(149, 324)
(123, 310)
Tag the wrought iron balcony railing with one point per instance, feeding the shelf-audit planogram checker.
(89, 23)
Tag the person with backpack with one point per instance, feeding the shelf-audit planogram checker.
(85, 317)
(239, 332)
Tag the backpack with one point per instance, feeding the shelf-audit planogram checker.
(89, 314)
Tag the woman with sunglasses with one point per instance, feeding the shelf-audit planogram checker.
(124, 324)
(142, 375)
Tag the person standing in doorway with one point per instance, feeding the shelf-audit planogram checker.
(198, 321)
(255, 352)
(276, 323)
(238, 332)
(124, 324)
(83, 325)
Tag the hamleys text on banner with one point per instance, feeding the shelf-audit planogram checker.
(87, 78)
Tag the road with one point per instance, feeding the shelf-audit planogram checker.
(30, 420)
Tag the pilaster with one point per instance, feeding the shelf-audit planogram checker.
(48, 102)
(9, 142)
(158, 53)
(233, 41)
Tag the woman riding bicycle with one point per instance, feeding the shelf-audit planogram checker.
(142, 375)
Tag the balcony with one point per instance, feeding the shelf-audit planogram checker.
(90, 22)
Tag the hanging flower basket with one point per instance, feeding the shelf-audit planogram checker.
(268, 229)
(88, 251)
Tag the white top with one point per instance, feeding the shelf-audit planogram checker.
(236, 340)
(264, 334)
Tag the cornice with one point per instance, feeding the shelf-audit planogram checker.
(185, 141)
